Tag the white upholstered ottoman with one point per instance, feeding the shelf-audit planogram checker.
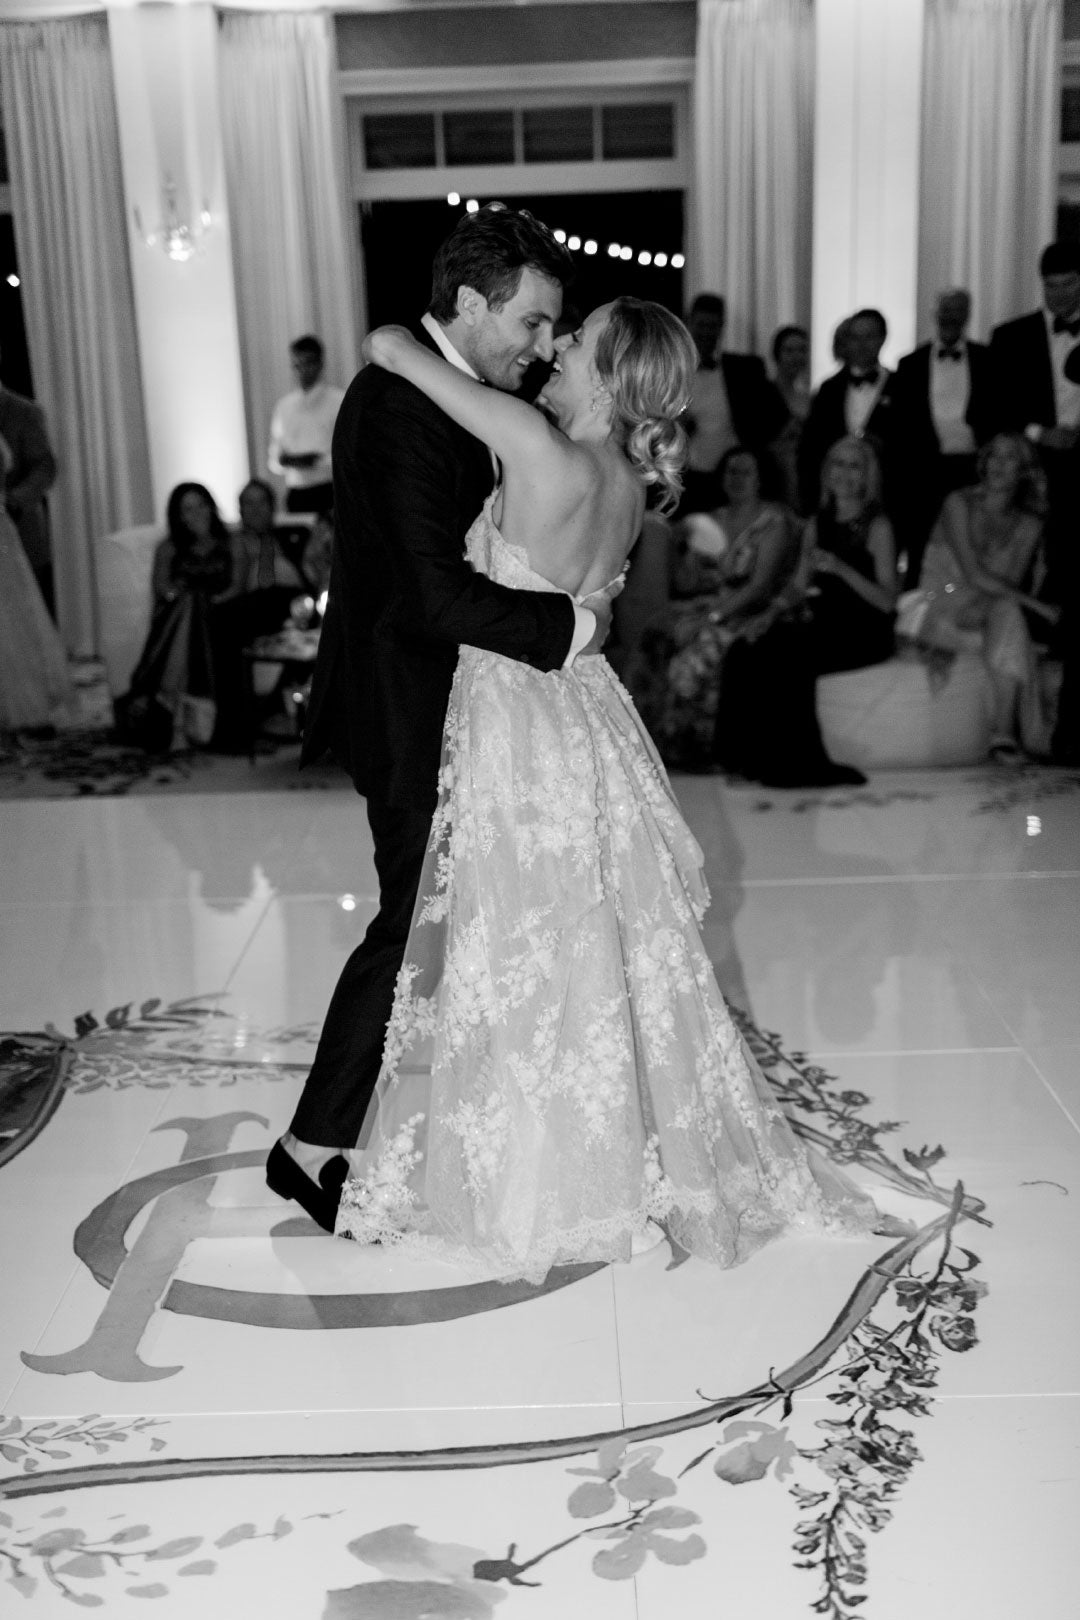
(890, 715)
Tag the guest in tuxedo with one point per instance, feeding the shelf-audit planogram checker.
(857, 402)
(1038, 394)
(731, 404)
(301, 430)
(31, 474)
(944, 412)
(403, 598)
(791, 382)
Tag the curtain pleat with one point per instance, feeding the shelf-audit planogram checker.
(67, 199)
(753, 129)
(294, 271)
(989, 151)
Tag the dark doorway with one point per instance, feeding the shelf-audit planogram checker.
(399, 240)
(14, 360)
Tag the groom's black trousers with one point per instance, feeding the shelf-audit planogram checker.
(334, 1100)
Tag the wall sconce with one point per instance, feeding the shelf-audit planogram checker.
(180, 238)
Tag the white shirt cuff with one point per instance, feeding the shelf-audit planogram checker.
(584, 630)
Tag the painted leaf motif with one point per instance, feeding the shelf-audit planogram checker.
(175, 1549)
(56, 1541)
(412, 1600)
(755, 1456)
(155, 1590)
(621, 1562)
(239, 1532)
(641, 1482)
(670, 1518)
(595, 1496)
(13, 1454)
(670, 1551)
(85, 1567)
(201, 1566)
(399, 1552)
(133, 1532)
(86, 1600)
(25, 1584)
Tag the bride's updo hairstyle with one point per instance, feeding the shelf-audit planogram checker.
(646, 359)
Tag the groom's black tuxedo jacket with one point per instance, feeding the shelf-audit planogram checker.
(408, 482)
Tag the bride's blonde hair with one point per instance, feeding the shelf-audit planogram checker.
(646, 359)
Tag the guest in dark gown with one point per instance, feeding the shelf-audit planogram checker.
(791, 383)
(767, 726)
(172, 700)
(732, 579)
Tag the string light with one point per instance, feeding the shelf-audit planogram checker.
(472, 206)
(626, 253)
(644, 258)
(560, 236)
(677, 261)
(660, 260)
(453, 198)
(590, 246)
(614, 250)
(13, 280)
(574, 243)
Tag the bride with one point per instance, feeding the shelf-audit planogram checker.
(561, 1074)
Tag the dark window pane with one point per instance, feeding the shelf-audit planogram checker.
(1070, 113)
(399, 140)
(479, 137)
(558, 134)
(643, 130)
(3, 160)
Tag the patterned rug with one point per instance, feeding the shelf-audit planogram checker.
(92, 764)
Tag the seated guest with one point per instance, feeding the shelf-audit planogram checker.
(855, 401)
(266, 560)
(730, 578)
(944, 406)
(730, 403)
(791, 358)
(271, 584)
(172, 699)
(315, 562)
(767, 727)
(976, 586)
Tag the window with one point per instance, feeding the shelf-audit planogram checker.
(557, 134)
(399, 141)
(478, 137)
(644, 129)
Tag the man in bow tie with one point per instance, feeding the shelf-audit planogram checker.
(1037, 381)
(731, 403)
(857, 400)
(944, 412)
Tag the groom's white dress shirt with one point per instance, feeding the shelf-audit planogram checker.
(584, 621)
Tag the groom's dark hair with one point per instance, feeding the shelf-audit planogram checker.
(487, 251)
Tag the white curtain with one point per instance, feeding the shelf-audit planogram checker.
(989, 152)
(753, 126)
(67, 199)
(294, 269)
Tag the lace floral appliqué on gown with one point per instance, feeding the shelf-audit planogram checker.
(560, 1067)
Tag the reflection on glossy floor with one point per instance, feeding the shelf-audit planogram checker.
(290, 1426)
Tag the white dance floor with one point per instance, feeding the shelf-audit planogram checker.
(210, 1404)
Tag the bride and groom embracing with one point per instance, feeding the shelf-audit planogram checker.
(527, 1061)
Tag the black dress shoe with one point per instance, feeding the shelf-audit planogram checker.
(320, 1199)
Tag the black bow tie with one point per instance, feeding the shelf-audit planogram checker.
(1063, 324)
(950, 353)
(866, 381)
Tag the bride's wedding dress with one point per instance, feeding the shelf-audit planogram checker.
(560, 1067)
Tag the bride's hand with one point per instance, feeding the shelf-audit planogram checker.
(385, 344)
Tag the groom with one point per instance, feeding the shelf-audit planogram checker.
(408, 483)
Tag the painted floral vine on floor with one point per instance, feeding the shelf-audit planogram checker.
(878, 1367)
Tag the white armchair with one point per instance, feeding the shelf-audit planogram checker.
(125, 562)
